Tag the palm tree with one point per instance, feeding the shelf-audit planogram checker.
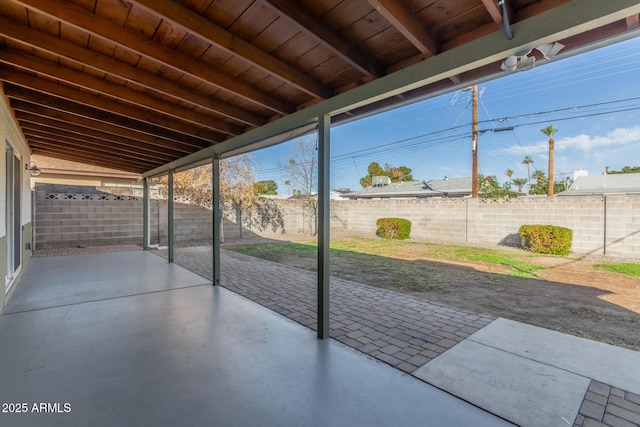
(509, 173)
(520, 182)
(528, 161)
(550, 131)
(539, 176)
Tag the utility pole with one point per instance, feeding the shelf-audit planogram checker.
(474, 141)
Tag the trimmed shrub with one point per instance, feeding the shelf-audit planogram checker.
(546, 239)
(393, 228)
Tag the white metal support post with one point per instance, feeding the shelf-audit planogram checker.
(324, 140)
(217, 217)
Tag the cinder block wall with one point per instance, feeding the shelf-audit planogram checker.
(90, 219)
(600, 224)
(85, 216)
(481, 222)
(623, 225)
(191, 223)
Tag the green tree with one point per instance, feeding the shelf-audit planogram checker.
(539, 176)
(400, 173)
(550, 131)
(509, 173)
(519, 182)
(374, 169)
(541, 188)
(627, 169)
(528, 161)
(489, 188)
(540, 184)
(268, 187)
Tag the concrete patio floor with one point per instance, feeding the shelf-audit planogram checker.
(528, 375)
(127, 339)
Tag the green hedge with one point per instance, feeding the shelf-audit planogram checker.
(546, 239)
(393, 228)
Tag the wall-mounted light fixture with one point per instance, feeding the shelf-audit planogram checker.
(33, 169)
(521, 61)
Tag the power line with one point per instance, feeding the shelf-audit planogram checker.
(444, 136)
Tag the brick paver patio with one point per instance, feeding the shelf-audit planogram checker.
(401, 330)
(608, 406)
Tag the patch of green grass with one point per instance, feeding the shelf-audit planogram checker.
(517, 267)
(624, 268)
(398, 250)
(391, 248)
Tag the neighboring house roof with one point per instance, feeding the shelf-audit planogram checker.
(449, 187)
(340, 194)
(623, 183)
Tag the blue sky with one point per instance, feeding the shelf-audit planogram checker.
(593, 99)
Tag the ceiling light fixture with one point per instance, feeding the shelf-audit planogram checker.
(33, 169)
(549, 50)
(521, 61)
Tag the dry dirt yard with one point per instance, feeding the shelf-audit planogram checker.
(569, 295)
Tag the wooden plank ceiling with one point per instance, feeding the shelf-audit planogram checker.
(136, 84)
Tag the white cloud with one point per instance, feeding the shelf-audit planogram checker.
(615, 138)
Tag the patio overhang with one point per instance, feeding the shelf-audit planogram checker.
(573, 23)
(147, 86)
(153, 87)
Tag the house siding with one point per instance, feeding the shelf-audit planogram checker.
(9, 133)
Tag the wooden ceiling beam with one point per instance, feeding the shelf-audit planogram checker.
(80, 120)
(397, 14)
(403, 21)
(64, 146)
(494, 11)
(86, 57)
(68, 128)
(65, 152)
(196, 24)
(93, 143)
(134, 104)
(312, 25)
(62, 105)
(34, 135)
(96, 25)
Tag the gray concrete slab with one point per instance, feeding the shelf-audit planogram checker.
(521, 390)
(58, 281)
(196, 355)
(615, 366)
